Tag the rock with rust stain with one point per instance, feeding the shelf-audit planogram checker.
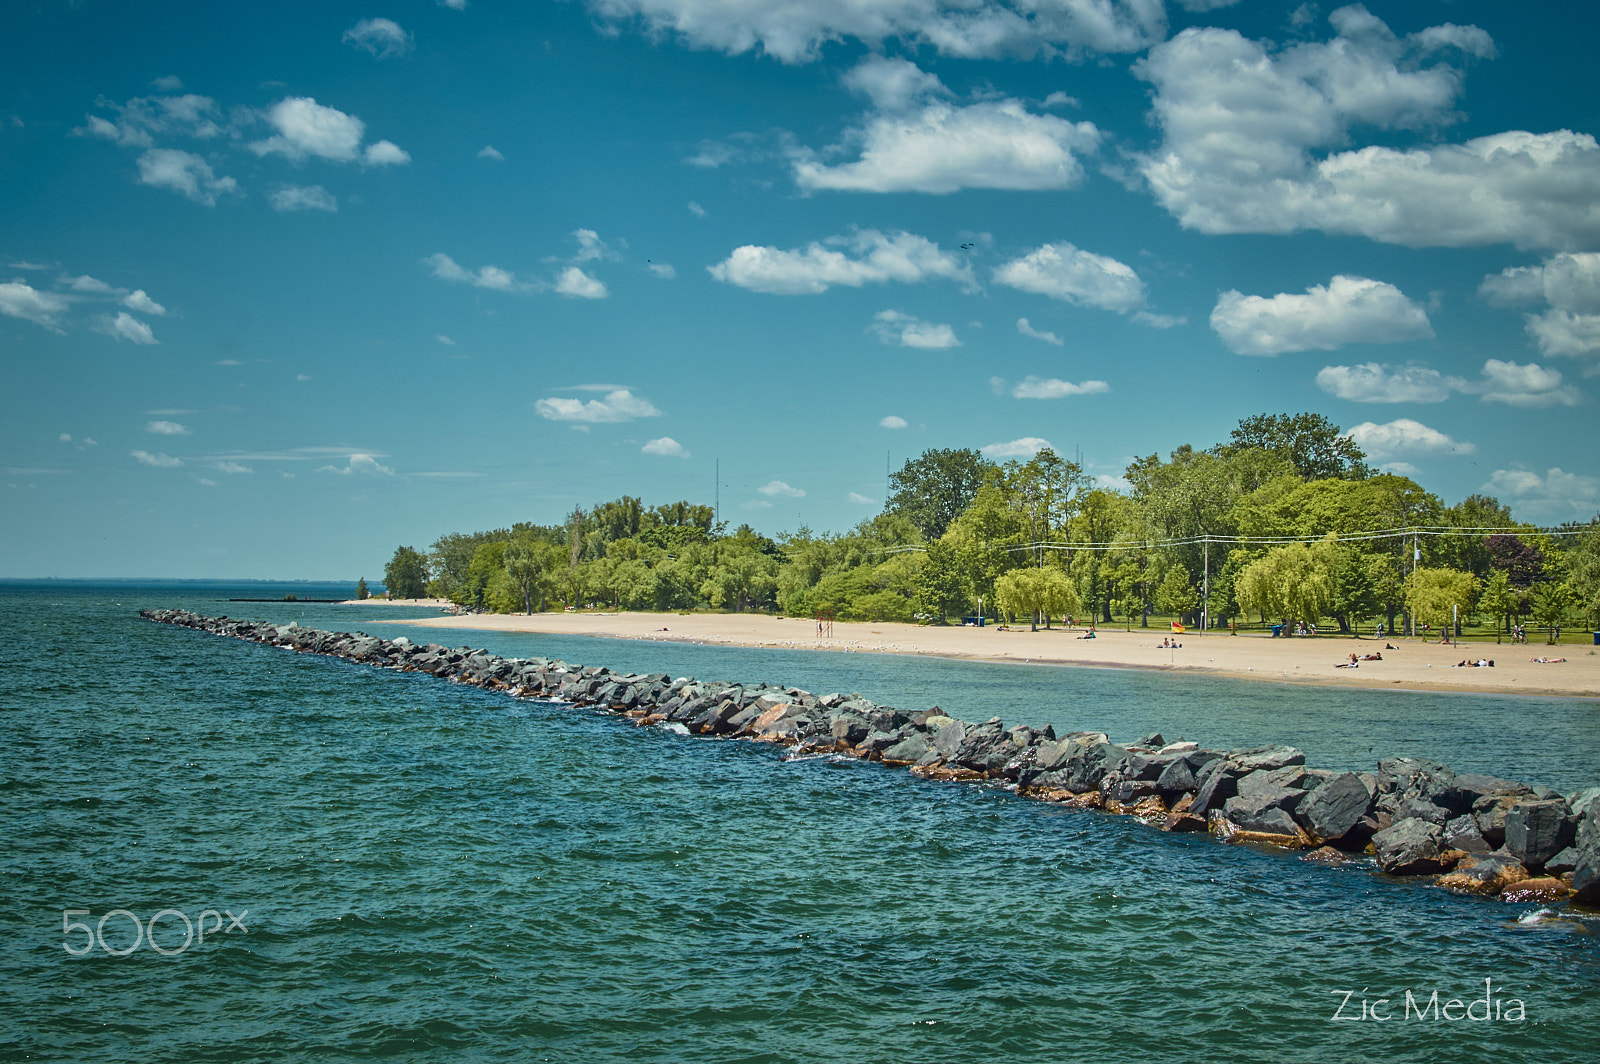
(1539, 889)
(1484, 873)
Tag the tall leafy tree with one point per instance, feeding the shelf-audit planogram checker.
(1316, 446)
(406, 575)
(934, 488)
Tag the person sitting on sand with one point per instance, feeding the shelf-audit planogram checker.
(1087, 635)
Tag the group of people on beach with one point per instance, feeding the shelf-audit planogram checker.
(1170, 643)
(1481, 663)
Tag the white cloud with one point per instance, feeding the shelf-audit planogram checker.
(1050, 388)
(662, 270)
(385, 153)
(142, 119)
(755, 504)
(18, 299)
(915, 142)
(1244, 126)
(184, 173)
(167, 428)
(303, 198)
(773, 488)
(1347, 310)
(904, 330)
(85, 283)
(1401, 469)
(167, 83)
(971, 29)
(1555, 496)
(446, 269)
(489, 151)
(82, 445)
(861, 500)
(443, 339)
(579, 285)
(302, 377)
(1405, 437)
(363, 464)
(1068, 273)
(1570, 286)
(380, 37)
(233, 468)
(891, 421)
(454, 5)
(1528, 386)
(1372, 382)
(307, 128)
(159, 460)
(139, 301)
(1158, 321)
(1028, 330)
(696, 210)
(618, 405)
(665, 447)
(1026, 447)
(868, 257)
(127, 327)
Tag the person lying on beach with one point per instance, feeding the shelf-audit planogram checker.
(1374, 656)
(1351, 664)
(1548, 661)
(1481, 663)
(1390, 646)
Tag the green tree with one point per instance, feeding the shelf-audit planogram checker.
(944, 588)
(1036, 592)
(1176, 593)
(1551, 601)
(1293, 582)
(1498, 601)
(361, 590)
(1314, 444)
(934, 488)
(406, 575)
(1437, 596)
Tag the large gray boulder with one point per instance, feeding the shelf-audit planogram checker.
(1410, 848)
(1586, 866)
(1332, 810)
(1467, 787)
(1257, 758)
(1538, 830)
(1461, 833)
(1414, 777)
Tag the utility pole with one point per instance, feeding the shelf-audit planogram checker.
(716, 509)
(1205, 586)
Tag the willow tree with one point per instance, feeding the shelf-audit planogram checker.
(1438, 596)
(1036, 592)
(1292, 582)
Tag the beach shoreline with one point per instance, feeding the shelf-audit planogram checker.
(1412, 665)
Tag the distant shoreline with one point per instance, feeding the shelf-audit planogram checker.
(1413, 666)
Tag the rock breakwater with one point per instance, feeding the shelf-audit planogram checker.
(1473, 833)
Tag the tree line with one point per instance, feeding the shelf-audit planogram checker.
(1190, 536)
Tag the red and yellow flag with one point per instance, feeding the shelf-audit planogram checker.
(1176, 627)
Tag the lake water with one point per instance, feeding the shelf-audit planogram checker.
(426, 871)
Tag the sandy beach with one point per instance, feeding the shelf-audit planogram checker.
(1414, 665)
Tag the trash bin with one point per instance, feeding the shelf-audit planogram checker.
(1597, 639)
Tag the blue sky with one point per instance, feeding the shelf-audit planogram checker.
(284, 286)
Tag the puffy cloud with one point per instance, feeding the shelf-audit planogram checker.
(773, 488)
(1405, 437)
(865, 257)
(1068, 273)
(861, 500)
(1570, 286)
(85, 283)
(380, 37)
(139, 301)
(127, 327)
(305, 127)
(1050, 388)
(303, 198)
(1026, 447)
(385, 153)
(1243, 125)
(446, 269)
(892, 421)
(362, 464)
(579, 285)
(915, 143)
(159, 460)
(1028, 330)
(1347, 310)
(591, 247)
(665, 447)
(795, 33)
(167, 428)
(1528, 386)
(1555, 496)
(618, 405)
(662, 270)
(184, 173)
(18, 299)
(905, 330)
(1372, 382)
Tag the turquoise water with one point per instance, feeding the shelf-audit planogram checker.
(433, 872)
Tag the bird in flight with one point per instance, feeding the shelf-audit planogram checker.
(964, 247)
